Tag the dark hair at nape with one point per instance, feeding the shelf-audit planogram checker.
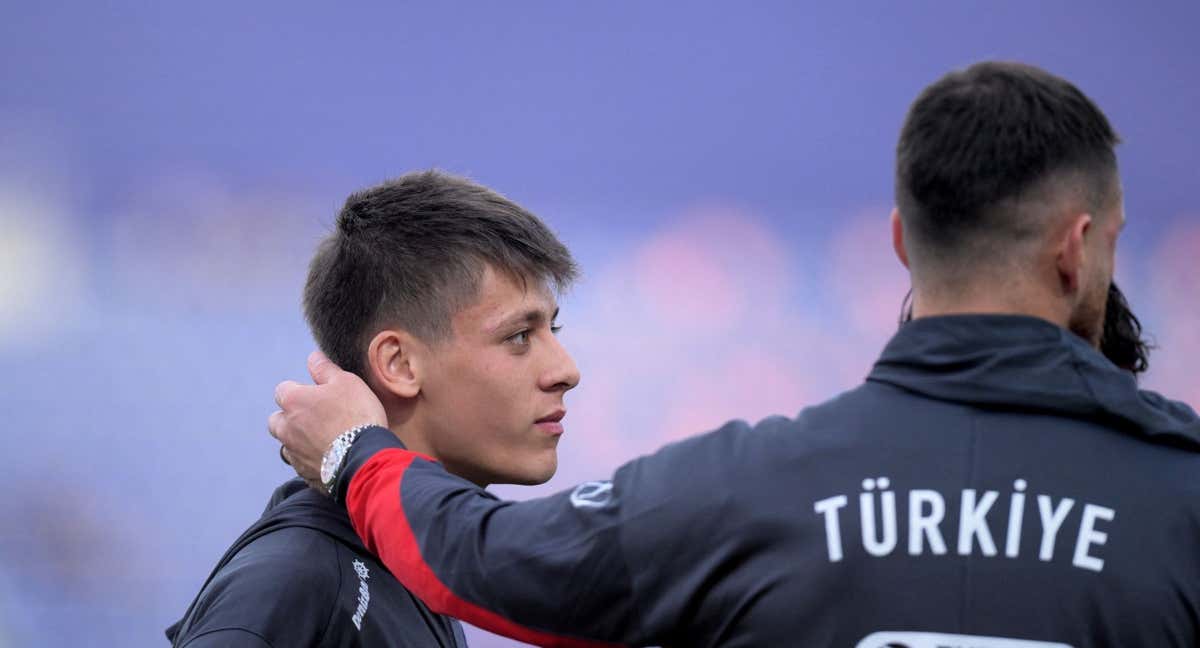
(410, 252)
(977, 140)
(1123, 341)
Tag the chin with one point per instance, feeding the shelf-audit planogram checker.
(532, 473)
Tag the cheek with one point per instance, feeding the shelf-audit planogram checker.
(477, 388)
(486, 404)
(488, 423)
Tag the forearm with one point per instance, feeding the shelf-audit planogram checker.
(538, 571)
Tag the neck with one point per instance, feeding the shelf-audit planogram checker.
(406, 427)
(997, 301)
(406, 424)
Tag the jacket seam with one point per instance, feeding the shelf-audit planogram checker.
(223, 629)
(972, 467)
(337, 595)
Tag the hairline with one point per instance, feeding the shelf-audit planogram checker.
(456, 299)
(1071, 187)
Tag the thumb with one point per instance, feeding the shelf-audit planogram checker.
(321, 368)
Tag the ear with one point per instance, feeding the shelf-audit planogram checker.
(898, 237)
(1071, 253)
(395, 359)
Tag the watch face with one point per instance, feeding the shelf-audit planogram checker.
(331, 461)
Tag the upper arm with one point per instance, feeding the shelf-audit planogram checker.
(280, 588)
(684, 525)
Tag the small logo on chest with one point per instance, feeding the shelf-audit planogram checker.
(364, 594)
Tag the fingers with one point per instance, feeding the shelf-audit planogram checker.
(321, 368)
(275, 424)
(284, 390)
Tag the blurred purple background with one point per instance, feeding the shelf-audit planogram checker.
(721, 170)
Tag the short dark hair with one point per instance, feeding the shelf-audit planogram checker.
(977, 140)
(410, 253)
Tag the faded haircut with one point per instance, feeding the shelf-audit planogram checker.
(981, 146)
(411, 252)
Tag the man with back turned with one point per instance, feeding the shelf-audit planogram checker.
(995, 482)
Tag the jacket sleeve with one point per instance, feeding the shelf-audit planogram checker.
(616, 562)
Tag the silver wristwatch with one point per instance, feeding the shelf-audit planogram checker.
(334, 458)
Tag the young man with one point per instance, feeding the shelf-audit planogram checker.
(440, 294)
(995, 482)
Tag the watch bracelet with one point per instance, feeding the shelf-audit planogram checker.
(347, 440)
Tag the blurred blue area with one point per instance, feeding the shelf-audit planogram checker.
(166, 170)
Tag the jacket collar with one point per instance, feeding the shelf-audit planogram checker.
(1028, 364)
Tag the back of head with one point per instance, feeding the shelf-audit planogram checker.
(410, 253)
(980, 150)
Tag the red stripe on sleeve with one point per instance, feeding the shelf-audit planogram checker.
(374, 504)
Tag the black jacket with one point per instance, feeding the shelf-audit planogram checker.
(994, 476)
(301, 577)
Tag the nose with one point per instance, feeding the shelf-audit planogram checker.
(560, 374)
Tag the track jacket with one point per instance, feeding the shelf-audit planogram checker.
(995, 483)
(300, 577)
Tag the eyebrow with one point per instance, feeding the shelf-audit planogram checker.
(532, 316)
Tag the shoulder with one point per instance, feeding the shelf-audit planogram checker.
(290, 562)
(227, 638)
(281, 587)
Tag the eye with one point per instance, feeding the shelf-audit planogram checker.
(555, 328)
(520, 338)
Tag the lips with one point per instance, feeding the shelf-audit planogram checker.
(551, 423)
